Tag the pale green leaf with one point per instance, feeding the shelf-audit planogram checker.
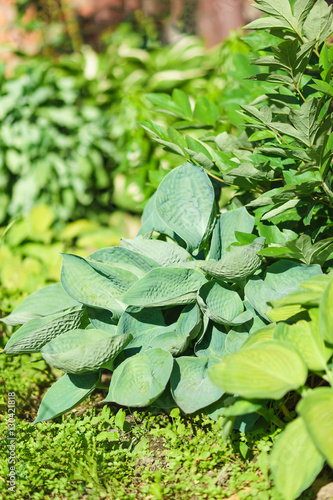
(267, 369)
(165, 254)
(326, 313)
(295, 461)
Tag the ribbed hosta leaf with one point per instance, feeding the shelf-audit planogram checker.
(32, 336)
(191, 387)
(185, 201)
(224, 230)
(295, 460)
(316, 409)
(165, 254)
(101, 319)
(79, 351)
(267, 369)
(238, 263)
(139, 380)
(95, 288)
(66, 393)
(134, 262)
(165, 286)
(222, 304)
(49, 300)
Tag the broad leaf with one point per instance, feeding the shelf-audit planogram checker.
(191, 387)
(165, 254)
(295, 460)
(126, 259)
(34, 334)
(49, 300)
(139, 380)
(79, 351)
(316, 409)
(267, 369)
(165, 286)
(326, 313)
(66, 393)
(175, 204)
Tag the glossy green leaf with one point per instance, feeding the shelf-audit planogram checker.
(174, 204)
(34, 334)
(295, 460)
(66, 393)
(316, 409)
(191, 387)
(267, 369)
(78, 351)
(139, 380)
(48, 300)
(165, 286)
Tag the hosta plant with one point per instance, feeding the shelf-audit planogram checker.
(289, 356)
(160, 310)
(279, 163)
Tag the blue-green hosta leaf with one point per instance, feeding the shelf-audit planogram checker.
(326, 313)
(305, 336)
(316, 409)
(191, 387)
(238, 263)
(97, 289)
(165, 254)
(282, 278)
(267, 369)
(222, 304)
(151, 221)
(212, 342)
(32, 336)
(165, 286)
(136, 321)
(134, 262)
(66, 393)
(185, 201)
(49, 300)
(139, 380)
(295, 460)
(101, 319)
(79, 351)
(235, 340)
(224, 230)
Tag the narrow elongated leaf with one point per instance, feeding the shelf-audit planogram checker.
(34, 334)
(238, 263)
(224, 230)
(316, 409)
(185, 202)
(49, 300)
(165, 254)
(79, 351)
(165, 286)
(66, 393)
(93, 288)
(139, 380)
(295, 460)
(267, 369)
(326, 313)
(279, 210)
(191, 387)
